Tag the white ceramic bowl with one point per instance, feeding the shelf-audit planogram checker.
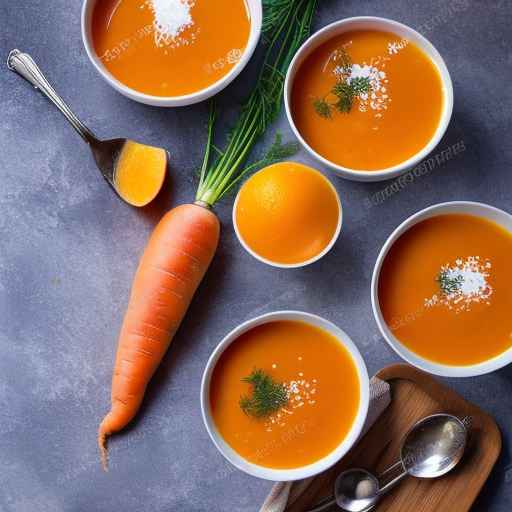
(281, 475)
(502, 218)
(320, 255)
(383, 24)
(255, 9)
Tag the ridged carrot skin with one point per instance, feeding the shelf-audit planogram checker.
(175, 261)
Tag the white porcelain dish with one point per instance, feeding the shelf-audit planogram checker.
(383, 24)
(281, 475)
(255, 11)
(502, 218)
(301, 264)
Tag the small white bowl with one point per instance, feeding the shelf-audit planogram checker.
(255, 11)
(283, 475)
(485, 211)
(300, 264)
(383, 24)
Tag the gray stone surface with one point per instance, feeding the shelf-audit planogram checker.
(69, 248)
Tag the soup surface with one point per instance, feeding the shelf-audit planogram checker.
(444, 289)
(287, 213)
(170, 47)
(367, 100)
(140, 173)
(323, 389)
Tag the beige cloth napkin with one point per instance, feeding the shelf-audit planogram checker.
(286, 493)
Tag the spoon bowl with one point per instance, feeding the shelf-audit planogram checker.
(433, 446)
(356, 490)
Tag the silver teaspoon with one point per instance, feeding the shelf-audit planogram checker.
(106, 153)
(432, 448)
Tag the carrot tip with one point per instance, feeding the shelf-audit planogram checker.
(102, 444)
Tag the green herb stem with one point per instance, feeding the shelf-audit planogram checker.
(286, 24)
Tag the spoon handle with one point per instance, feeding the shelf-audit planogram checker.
(386, 488)
(323, 505)
(24, 65)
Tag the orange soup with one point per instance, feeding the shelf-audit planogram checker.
(322, 387)
(170, 47)
(140, 173)
(367, 100)
(287, 213)
(444, 289)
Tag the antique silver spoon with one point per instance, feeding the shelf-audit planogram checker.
(430, 449)
(106, 153)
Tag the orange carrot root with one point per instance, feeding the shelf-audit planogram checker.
(176, 258)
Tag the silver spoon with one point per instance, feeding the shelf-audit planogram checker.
(106, 152)
(430, 449)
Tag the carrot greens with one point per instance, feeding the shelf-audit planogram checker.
(286, 24)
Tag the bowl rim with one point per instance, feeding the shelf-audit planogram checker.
(284, 475)
(256, 18)
(315, 258)
(482, 210)
(400, 29)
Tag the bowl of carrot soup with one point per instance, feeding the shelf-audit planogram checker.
(284, 396)
(287, 215)
(441, 291)
(170, 53)
(368, 97)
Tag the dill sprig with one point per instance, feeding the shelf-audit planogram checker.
(286, 24)
(323, 108)
(449, 283)
(345, 90)
(268, 396)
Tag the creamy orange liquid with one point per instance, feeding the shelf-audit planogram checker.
(404, 115)
(287, 213)
(408, 277)
(124, 39)
(288, 351)
(140, 173)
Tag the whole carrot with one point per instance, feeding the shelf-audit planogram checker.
(175, 260)
(183, 244)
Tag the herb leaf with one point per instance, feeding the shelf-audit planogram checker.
(323, 108)
(345, 95)
(449, 284)
(268, 396)
(346, 89)
(343, 61)
(360, 85)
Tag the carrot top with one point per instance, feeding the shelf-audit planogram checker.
(286, 25)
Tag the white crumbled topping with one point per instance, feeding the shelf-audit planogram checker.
(396, 46)
(469, 284)
(300, 393)
(172, 17)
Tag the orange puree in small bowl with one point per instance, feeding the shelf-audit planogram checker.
(140, 173)
(287, 213)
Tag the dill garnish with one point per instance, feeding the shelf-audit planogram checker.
(323, 108)
(345, 91)
(268, 396)
(449, 283)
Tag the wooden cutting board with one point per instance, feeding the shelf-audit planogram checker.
(414, 395)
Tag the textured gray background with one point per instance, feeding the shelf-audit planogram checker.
(69, 248)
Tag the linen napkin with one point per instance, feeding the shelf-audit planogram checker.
(286, 493)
